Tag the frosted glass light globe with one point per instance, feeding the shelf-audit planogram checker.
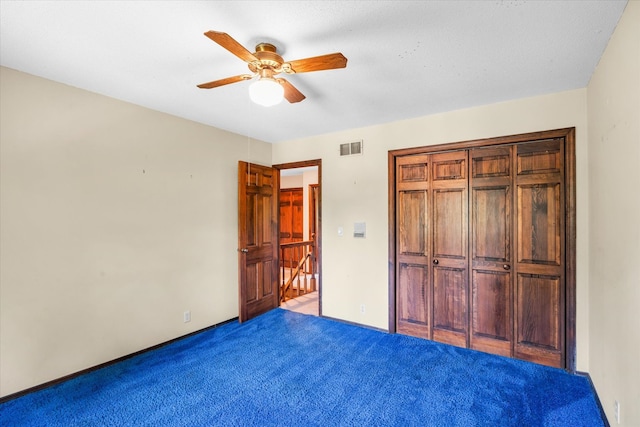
(266, 92)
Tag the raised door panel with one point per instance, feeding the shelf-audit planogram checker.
(539, 225)
(413, 300)
(491, 224)
(538, 319)
(449, 167)
(259, 283)
(450, 305)
(286, 231)
(539, 305)
(540, 158)
(491, 311)
(251, 227)
(412, 172)
(449, 260)
(297, 208)
(412, 312)
(491, 247)
(450, 223)
(412, 222)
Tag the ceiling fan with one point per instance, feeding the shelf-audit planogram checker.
(265, 64)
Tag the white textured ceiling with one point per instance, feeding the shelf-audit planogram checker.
(405, 58)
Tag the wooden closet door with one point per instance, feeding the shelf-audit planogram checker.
(449, 258)
(540, 262)
(484, 235)
(491, 247)
(291, 215)
(413, 303)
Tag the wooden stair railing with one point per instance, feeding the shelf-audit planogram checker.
(286, 287)
(297, 258)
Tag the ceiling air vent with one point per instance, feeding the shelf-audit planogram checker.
(351, 148)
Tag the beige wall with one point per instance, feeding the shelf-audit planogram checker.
(291, 181)
(614, 224)
(114, 220)
(354, 189)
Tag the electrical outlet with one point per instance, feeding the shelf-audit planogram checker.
(187, 316)
(617, 411)
(362, 308)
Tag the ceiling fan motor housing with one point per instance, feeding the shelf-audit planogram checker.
(269, 59)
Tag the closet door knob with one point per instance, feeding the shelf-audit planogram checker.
(435, 261)
(506, 267)
(244, 250)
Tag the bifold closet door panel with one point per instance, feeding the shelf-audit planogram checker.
(449, 260)
(540, 265)
(413, 302)
(491, 249)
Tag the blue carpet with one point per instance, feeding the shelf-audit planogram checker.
(290, 369)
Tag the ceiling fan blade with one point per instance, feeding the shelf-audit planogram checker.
(222, 82)
(229, 43)
(318, 63)
(291, 94)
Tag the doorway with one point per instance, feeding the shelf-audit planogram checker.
(300, 239)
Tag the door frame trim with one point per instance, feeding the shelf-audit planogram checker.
(570, 219)
(303, 164)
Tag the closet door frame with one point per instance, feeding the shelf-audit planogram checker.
(568, 134)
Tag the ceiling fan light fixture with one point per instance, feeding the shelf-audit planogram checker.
(266, 91)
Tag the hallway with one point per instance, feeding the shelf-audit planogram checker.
(304, 304)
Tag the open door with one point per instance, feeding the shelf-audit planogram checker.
(258, 188)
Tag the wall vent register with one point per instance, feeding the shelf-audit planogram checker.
(351, 148)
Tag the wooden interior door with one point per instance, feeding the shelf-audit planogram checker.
(257, 239)
(413, 312)
(291, 220)
(449, 261)
(291, 215)
(491, 249)
(540, 263)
